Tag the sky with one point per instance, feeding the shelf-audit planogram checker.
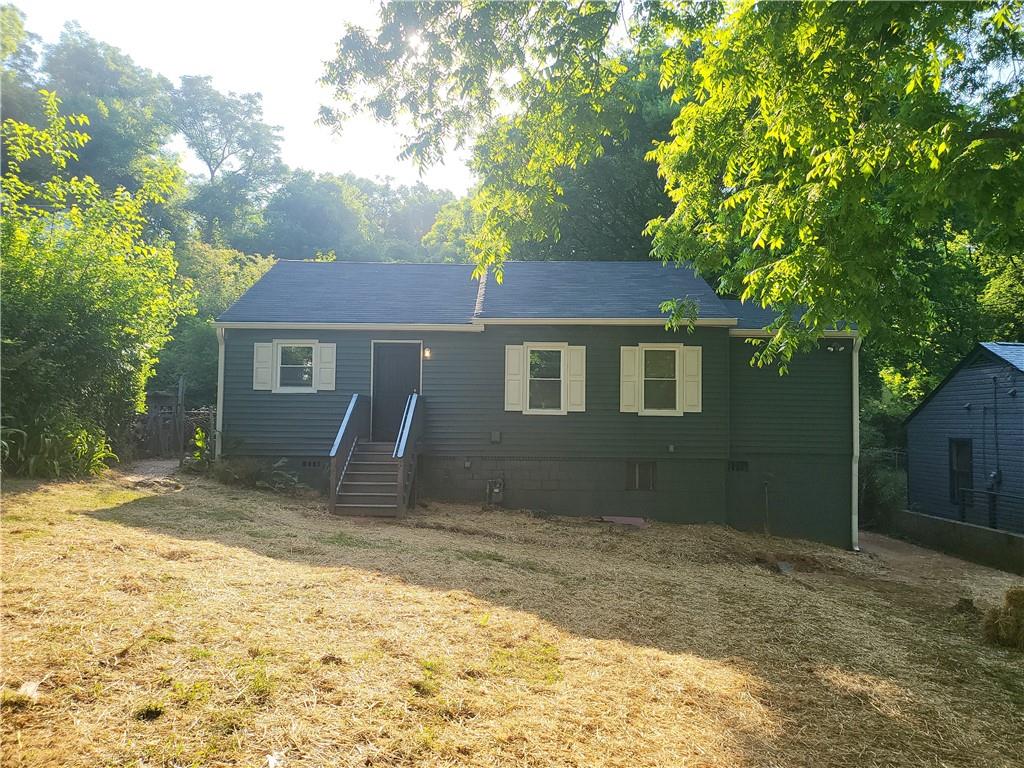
(279, 53)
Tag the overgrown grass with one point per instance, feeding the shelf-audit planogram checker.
(215, 626)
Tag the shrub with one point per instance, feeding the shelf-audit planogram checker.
(88, 297)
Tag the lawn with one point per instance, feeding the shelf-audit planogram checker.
(208, 625)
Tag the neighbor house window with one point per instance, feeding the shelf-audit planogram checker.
(544, 379)
(660, 369)
(961, 471)
(295, 366)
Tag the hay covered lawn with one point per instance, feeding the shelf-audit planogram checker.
(207, 625)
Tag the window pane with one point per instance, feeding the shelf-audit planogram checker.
(545, 364)
(659, 395)
(545, 395)
(297, 375)
(660, 363)
(293, 355)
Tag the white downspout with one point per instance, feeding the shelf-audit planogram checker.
(855, 466)
(220, 392)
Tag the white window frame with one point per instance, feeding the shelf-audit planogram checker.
(281, 343)
(562, 347)
(643, 410)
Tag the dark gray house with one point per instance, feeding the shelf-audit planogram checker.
(558, 389)
(965, 441)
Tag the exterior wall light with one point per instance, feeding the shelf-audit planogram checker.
(426, 353)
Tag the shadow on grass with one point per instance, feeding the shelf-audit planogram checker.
(831, 654)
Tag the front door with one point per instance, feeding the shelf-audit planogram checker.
(396, 375)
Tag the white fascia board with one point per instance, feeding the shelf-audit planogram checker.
(721, 322)
(761, 333)
(466, 327)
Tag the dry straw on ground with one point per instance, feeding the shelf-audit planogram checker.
(216, 626)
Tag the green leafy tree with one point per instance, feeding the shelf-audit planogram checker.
(312, 214)
(820, 155)
(220, 277)
(127, 106)
(88, 300)
(240, 151)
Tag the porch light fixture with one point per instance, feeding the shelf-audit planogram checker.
(426, 353)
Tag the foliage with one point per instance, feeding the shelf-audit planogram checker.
(310, 214)
(823, 158)
(239, 150)
(883, 480)
(88, 300)
(220, 277)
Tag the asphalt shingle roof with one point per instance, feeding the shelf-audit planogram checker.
(595, 289)
(353, 292)
(350, 292)
(1011, 352)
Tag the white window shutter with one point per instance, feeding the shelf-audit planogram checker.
(629, 388)
(514, 377)
(326, 367)
(263, 366)
(577, 375)
(691, 379)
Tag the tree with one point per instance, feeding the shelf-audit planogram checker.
(312, 214)
(220, 276)
(127, 106)
(239, 150)
(819, 157)
(88, 301)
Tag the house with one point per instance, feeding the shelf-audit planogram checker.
(965, 441)
(558, 389)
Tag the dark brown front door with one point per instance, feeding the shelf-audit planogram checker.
(396, 375)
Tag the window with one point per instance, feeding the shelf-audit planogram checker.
(961, 471)
(659, 368)
(295, 366)
(640, 475)
(544, 379)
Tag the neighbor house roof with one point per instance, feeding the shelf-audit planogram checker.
(1010, 351)
(376, 293)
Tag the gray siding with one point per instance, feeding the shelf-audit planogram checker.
(791, 444)
(944, 417)
(792, 434)
(463, 389)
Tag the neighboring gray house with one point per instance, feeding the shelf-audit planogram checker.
(965, 441)
(558, 389)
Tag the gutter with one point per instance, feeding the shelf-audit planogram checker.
(855, 461)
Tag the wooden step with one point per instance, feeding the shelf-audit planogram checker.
(372, 456)
(363, 486)
(367, 510)
(356, 465)
(368, 498)
(357, 476)
(381, 447)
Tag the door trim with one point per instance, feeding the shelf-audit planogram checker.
(373, 365)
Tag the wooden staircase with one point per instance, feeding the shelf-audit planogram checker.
(369, 485)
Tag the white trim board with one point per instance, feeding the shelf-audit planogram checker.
(761, 333)
(217, 442)
(468, 327)
(717, 322)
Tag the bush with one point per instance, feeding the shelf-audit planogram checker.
(883, 484)
(88, 302)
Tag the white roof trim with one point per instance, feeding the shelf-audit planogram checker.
(721, 322)
(465, 327)
(763, 334)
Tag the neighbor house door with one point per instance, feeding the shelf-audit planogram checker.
(396, 375)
